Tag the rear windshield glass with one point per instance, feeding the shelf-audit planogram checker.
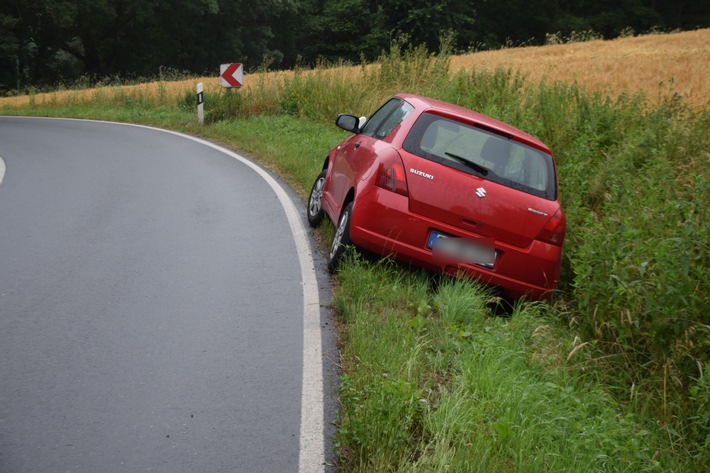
(484, 154)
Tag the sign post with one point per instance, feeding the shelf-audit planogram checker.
(231, 75)
(200, 104)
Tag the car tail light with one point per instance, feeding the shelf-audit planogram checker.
(554, 231)
(391, 175)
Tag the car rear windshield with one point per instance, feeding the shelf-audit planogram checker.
(479, 152)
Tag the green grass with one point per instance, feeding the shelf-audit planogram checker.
(294, 148)
(436, 383)
(611, 376)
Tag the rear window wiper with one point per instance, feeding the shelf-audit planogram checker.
(475, 166)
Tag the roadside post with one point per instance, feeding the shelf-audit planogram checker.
(200, 104)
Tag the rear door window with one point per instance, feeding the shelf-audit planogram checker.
(386, 119)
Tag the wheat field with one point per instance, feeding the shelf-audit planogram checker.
(681, 61)
(654, 64)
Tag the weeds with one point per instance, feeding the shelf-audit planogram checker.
(466, 391)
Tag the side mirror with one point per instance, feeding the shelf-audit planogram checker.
(348, 122)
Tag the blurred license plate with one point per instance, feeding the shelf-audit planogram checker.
(462, 250)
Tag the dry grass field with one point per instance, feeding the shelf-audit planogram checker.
(633, 64)
(666, 63)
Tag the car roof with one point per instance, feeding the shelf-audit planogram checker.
(497, 126)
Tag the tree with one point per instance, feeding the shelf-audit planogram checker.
(425, 21)
(43, 42)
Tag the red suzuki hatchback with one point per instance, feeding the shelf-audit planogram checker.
(446, 189)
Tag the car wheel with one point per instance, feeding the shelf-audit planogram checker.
(341, 239)
(315, 206)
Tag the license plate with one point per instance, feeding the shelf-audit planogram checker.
(434, 235)
(463, 250)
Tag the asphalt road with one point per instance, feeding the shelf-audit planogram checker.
(152, 308)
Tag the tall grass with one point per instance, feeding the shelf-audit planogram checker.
(435, 383)
(634, 181)
(633, 307)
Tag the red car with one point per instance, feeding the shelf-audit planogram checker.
(446, 189)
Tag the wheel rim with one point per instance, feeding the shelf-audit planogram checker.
(314, 203)
(339, 232)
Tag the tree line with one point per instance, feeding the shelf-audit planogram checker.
(48, 42)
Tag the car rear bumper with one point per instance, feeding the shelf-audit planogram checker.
(383, 223)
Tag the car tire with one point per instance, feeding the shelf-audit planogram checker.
(315, 201)
(341, 239)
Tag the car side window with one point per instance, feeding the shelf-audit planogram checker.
(386, 119)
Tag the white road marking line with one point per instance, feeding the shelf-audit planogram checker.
(311, 457)
(311, 451)
(2, 169)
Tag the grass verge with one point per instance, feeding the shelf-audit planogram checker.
(436, 383)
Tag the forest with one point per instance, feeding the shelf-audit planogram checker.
(54, 43)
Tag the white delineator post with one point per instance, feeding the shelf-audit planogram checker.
(200, 104)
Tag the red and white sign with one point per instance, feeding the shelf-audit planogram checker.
(232, 75)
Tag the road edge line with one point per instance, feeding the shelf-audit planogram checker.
(311, 456)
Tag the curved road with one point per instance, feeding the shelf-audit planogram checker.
(158, 308)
